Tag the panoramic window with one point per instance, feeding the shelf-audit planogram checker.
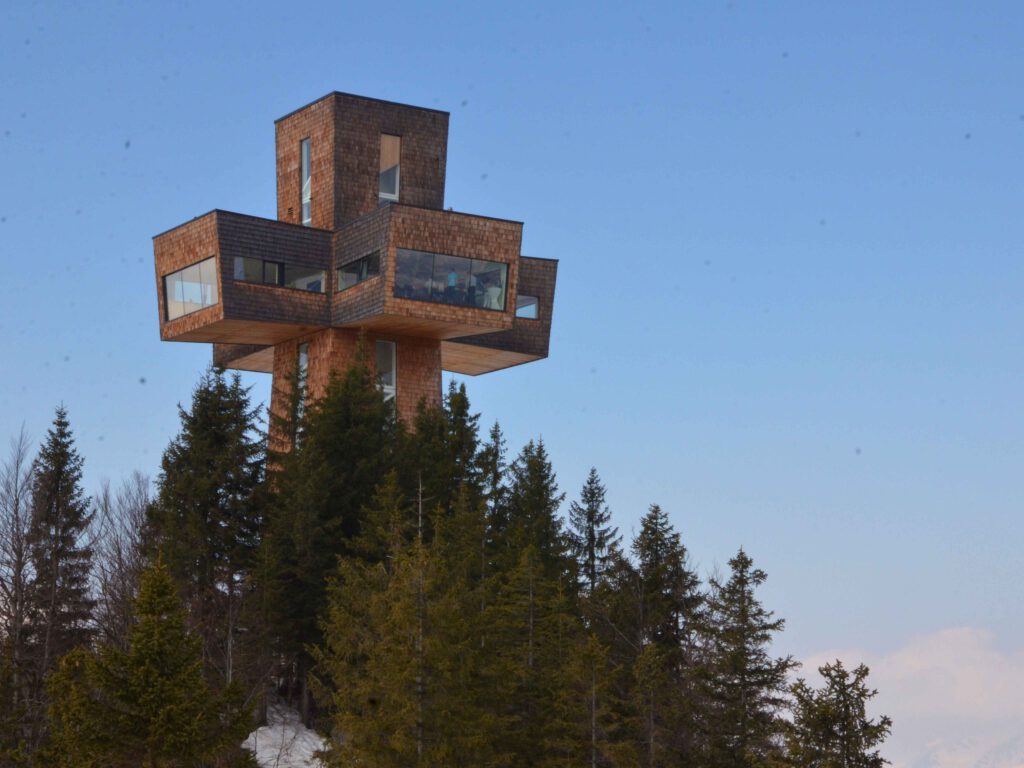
(307, 188)
(390, 160)
(450, 279)
(251, 270)
(190, 289)
(359, 270)
(386, 369)
(526, 306)
(303, 278)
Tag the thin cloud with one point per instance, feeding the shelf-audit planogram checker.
(955, 699)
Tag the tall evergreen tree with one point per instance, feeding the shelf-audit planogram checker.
(320, 490)
(60, 606)
(745, 686)
(668, 604)
(830, 727)
(402, 655)
(533, 503)
(591, 535)
(148, 705)
(206, 517)
(444, 449)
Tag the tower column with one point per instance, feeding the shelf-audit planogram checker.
(417, 373)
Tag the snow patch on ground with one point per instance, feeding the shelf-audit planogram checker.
(284, 742)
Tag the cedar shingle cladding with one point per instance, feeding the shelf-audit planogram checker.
(344, 132)
(349, 222)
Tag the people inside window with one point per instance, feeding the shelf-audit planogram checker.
(450, 279)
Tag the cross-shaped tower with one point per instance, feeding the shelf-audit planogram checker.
(362, 244)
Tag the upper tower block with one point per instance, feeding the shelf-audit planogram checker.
(342, 156)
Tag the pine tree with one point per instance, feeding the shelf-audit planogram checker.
(830, 727)
(147, 706)
(746, 688)
(591, 535)
(60, 607)
(207, 515)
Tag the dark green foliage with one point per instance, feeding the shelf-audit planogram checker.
(592, 537)
(59, 604)
(659, 607)
(830, 727)
(533, 502)
(207, 514)
(147, 706)
(745, 687)
(350, 440)
(426, 588)
(401, 665)
(444, 449)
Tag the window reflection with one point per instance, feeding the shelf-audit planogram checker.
(303, 278)
(526, 306)
(390, 158)
(359, 270)
(386, 373)
(450, 279)
(191, 289)
(307, 185)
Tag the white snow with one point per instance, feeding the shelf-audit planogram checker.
(284, 742)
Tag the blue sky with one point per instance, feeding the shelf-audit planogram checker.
(789, 298)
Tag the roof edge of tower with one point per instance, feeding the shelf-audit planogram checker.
(364, 98)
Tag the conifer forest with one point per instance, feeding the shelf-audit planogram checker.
(420, 594)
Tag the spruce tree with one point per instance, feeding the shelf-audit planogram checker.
(746, 688)
(830, 727)
(60, 606)
(591, 535)
(206, 517)
(444, 449)
(148, 705)
(320, 491)
(665, 717)
(533, 502)
(403, 652)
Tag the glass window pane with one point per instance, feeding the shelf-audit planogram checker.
(249, 270)
(451, 279)
(359, 270)
(208, 281)
(303, 278)
(302, 374)
(272, 272)
(191, 288)
(172, 296)
(413, 271)
(390, 159)
(372, 264)
(307, 183)
(489, 279)
(526, 306)
(386, 373)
